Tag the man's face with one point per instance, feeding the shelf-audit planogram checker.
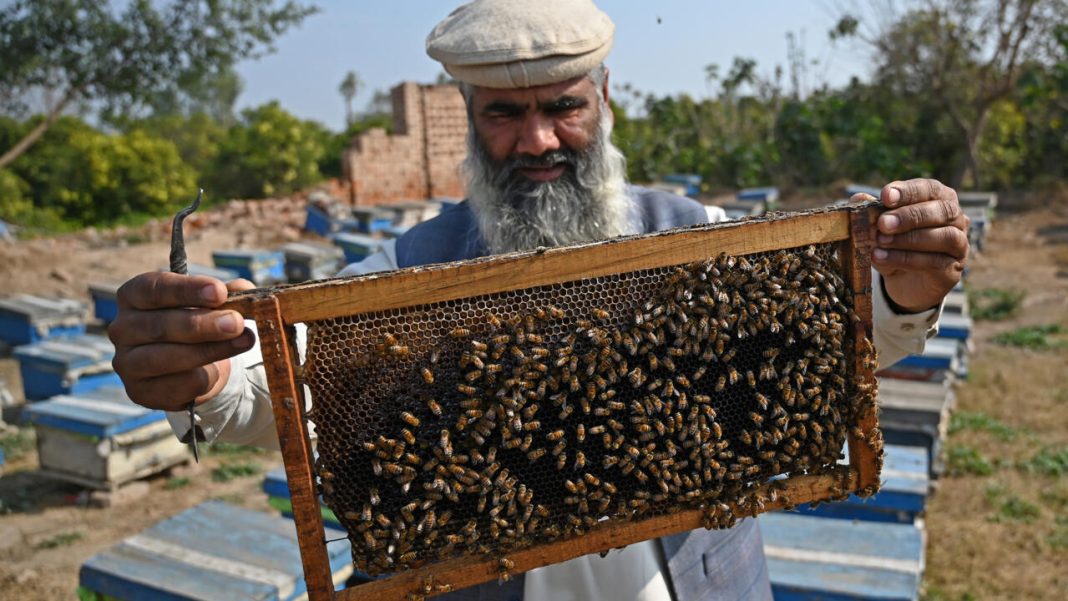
(528, 123)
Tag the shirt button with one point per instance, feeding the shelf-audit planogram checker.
(907, 327)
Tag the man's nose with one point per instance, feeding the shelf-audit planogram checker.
(538, 136)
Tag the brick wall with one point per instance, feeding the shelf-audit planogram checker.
(422, 157)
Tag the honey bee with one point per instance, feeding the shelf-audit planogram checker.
(434, 407)
(428, 376)
(600, 314)
(460, 332)
(536, 454)
(399, 350)
(409, 419)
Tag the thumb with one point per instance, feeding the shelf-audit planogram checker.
(239, 285)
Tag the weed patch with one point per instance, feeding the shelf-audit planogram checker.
(977, 420)
(16, 443)
(965, 460)
(1048, 462)
(1015, 509)
(1058, 539)
(60, 540)
(176, 483)
(994, 304)
(226, 448)
(1037, 338)
(232, 471)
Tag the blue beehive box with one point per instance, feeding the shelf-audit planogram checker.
(306, 261)
(395, 231)
(319, 221)
(852, 189)
(212, 272)
(916, 413)
(105, 300)
(277, 489)
(259, 266)
(942, 358)
(690, 181)
(903, 496)
(25, 319)
(369, 220)
(955, 326)
(356, 247)
(72, 365)
(102, 439)
(211, 551)
(769, 195)
(816, 558)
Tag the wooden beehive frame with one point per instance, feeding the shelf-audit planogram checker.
(276, 310)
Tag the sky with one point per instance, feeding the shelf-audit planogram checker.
(660, 47)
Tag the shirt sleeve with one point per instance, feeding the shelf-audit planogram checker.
(241, 413)
(899, 335)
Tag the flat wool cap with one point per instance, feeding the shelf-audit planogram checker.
(520, 44)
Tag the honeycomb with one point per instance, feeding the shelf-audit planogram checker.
(492, 423)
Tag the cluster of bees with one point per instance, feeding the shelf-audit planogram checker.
(516, 421)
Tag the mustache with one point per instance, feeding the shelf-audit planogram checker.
(506, 170)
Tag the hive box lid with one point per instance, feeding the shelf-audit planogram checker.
(212, 551)
(102, 413)
(67, 353)
(817, 558)
(36, 308)
(350, 239)
(212, 272)
(307, 251)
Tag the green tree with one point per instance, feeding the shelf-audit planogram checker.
(963, 56)
(268, 152)
(122, 55)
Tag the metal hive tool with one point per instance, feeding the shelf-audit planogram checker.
(488, 417)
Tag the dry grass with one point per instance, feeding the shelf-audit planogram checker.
(998, 526)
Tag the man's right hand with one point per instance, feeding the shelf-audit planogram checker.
(171, 345)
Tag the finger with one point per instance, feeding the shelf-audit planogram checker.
(239, 285)
(947, 267)
(922, 215)
(861, 197)
(163, 290)
(133, 327)
(153, 360)
(173, 392)
(945, 240)
(906, 192)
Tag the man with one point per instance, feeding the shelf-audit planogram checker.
(542, 171)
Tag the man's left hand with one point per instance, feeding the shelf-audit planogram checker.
(922, 243)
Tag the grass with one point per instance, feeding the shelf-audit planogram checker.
(176, 483)
(234, 470)
(60, 540)
(978, 420)
(966, 460)
(994, 304)
(226, 448)
(1037, 338)
(1010, 507)
(17, 442)
(1058, 539)
(1048, 462)
(937, 594)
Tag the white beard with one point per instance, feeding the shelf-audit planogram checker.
(588, 202)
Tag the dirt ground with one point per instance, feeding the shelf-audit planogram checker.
(1002, 535)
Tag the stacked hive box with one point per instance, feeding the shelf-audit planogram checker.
(102, 439)
(211, 551)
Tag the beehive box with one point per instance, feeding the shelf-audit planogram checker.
(306, 261)
(942, 358)
(102, 439)
(212, 272)
(902, 498)
(105, 300)
(817, 558)
(274, 484)
(916, 413)
(25, 319)
(407, 214)
(369, 220)
(70, 365)
(211, 551)
(740, 209)
(502, 414)
(259, 266)
(769, 195)
(356, 247)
